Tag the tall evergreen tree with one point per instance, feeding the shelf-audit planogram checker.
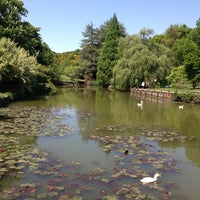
(103, 29)
(109, 54)
(90, 50)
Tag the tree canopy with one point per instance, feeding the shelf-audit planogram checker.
(19, 70)
(109, 54)
(21, 32)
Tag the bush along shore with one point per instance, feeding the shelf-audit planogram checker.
(17, 95)
(5, 99)
(187, 97)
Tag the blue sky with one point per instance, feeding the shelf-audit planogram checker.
(63, 21)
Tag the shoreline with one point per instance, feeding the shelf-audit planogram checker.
(176, 96)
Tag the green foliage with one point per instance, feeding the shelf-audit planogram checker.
(11, 13)
(19, 71)
(90, 51)
(192, 67)
(140, 61)
(175, 32)
(177, 77)
(182, 47)
(21, 32)
(103, 30)
(121, 76)
(187, 97)
(195, 33)
(146, 33)
(66, 66)
(109, 54)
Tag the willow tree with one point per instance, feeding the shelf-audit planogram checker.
(140, 61)
(109, 54)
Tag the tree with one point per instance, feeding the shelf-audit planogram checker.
(177, 76)
(19, 70)
(146, 33)
(195, 34)
(66, 66)
(109, 54)
(10, 18)
(182, 47)
(175, 32)
(139, 62)
(103, 29)
(21, 32)
(90, 51)
(187, 53)
(192, 67)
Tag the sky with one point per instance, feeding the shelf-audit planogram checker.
(62, 22)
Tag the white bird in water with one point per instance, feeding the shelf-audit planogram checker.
(180, 106)
(140, 104)
(146, 180)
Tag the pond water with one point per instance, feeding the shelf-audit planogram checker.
(98, 144)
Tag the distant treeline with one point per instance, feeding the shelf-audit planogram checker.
(112, 57)
(107, 54)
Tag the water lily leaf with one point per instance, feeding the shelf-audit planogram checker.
(42, 195)
(77, 191)
(105, 180)
(60, 188)
(3, 170)
(11, 162)
(33, 167)
(110, 197)
(78, 198)
(52, 194)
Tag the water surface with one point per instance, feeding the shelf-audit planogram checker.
(81, 139)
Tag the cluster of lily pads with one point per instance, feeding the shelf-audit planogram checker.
(19, 126)
(165, 136)
(32, 121)
(41, 175)
(54, 179)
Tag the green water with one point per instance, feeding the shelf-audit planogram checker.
(101, 113)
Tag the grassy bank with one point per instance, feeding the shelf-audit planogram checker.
(184, 95)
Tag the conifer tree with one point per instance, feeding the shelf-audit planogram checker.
(90, 51)
(109, 54)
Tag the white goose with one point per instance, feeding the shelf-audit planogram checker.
(146, 180)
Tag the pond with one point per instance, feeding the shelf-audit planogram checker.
(98, 144)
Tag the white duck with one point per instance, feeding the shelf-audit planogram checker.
(146, 180)
(180, 106)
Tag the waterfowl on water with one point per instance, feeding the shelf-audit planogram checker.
(146, 180)
(140, 104)
(126, 152)
(180, 106)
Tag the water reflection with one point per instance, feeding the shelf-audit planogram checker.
(112, 117)
(116, 108)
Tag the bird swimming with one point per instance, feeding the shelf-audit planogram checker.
(180, 106)
(140, 104)
(146, 180)
(126, 152)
